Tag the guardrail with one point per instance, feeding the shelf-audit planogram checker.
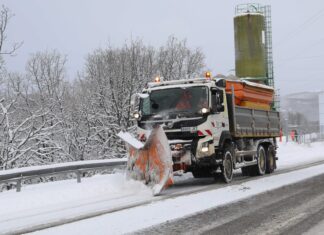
(21, 174)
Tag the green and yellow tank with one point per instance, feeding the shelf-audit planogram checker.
(250, 58)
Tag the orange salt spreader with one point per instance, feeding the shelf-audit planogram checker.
(150, 162)
(250, 94)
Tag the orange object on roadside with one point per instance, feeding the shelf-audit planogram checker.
(292, 135)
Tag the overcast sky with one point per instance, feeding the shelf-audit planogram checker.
(77, 27)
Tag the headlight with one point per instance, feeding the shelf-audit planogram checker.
(204, 110)
(205, 147)
(136, 115)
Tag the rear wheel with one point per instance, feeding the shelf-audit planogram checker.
(227, 166)
(261, 166)
(271, 159)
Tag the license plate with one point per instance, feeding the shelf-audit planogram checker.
(189, 129)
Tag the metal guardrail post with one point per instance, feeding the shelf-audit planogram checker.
(78, 173)
(18, 186)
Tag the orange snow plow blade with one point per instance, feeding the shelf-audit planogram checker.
(151, 161)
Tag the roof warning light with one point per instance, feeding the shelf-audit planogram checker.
(207, 75)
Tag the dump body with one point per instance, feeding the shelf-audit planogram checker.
(255, 123)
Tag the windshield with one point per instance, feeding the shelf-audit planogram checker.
(188, 99)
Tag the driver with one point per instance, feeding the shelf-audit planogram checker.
(185, 101)
(203, 103)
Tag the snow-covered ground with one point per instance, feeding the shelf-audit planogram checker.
(67, 198)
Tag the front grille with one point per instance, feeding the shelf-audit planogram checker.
(176, 125)
(181, 135)
(189, 123)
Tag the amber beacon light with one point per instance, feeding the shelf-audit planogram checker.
(207, 75)
(157, 79)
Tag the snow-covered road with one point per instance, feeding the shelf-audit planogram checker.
(45, 203)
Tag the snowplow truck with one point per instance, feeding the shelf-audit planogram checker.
(212, 126)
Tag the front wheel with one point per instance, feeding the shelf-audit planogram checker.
(227, 166)
(271, 159)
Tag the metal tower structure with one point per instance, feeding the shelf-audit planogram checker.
(266, 10)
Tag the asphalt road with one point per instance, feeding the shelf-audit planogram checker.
(293, 209)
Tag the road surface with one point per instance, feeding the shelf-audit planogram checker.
(293, 209)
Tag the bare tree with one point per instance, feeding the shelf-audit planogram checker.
(113, 75)
(177, 61)
(46, 74)
(5, 16)
(45, 119)
(21, 126)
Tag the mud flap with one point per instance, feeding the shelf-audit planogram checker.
(151, 161)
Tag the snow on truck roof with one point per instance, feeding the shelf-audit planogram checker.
(252, 84)
(198, 82)
(179, 82)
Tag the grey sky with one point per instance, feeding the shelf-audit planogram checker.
(76, 27)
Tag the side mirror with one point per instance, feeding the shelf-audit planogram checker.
(217, 100)
(220, 96)
(221, 83)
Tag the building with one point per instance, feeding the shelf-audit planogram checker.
(321, 113)
(303, 112)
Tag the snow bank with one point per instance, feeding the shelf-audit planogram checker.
(68, 193)
(293, 154)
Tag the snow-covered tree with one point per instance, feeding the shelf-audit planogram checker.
(5, 16)
(45, 119)
(176, 61)
(113, 75)
(46, 74)
(22, 126)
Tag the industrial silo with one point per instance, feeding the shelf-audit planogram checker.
(253, 50)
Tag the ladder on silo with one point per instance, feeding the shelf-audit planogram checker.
(266, 10)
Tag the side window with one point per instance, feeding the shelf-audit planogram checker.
(217, 100)
(214, 101)
(220, 96)
(146, 106)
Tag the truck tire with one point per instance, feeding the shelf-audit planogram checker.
(260, 168)
(227, 166)
(271, 160)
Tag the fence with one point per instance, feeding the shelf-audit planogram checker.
(78, 168)
(302, 138)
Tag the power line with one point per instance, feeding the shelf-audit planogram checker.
(306, 58)
(302, 51)
(302, 26)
